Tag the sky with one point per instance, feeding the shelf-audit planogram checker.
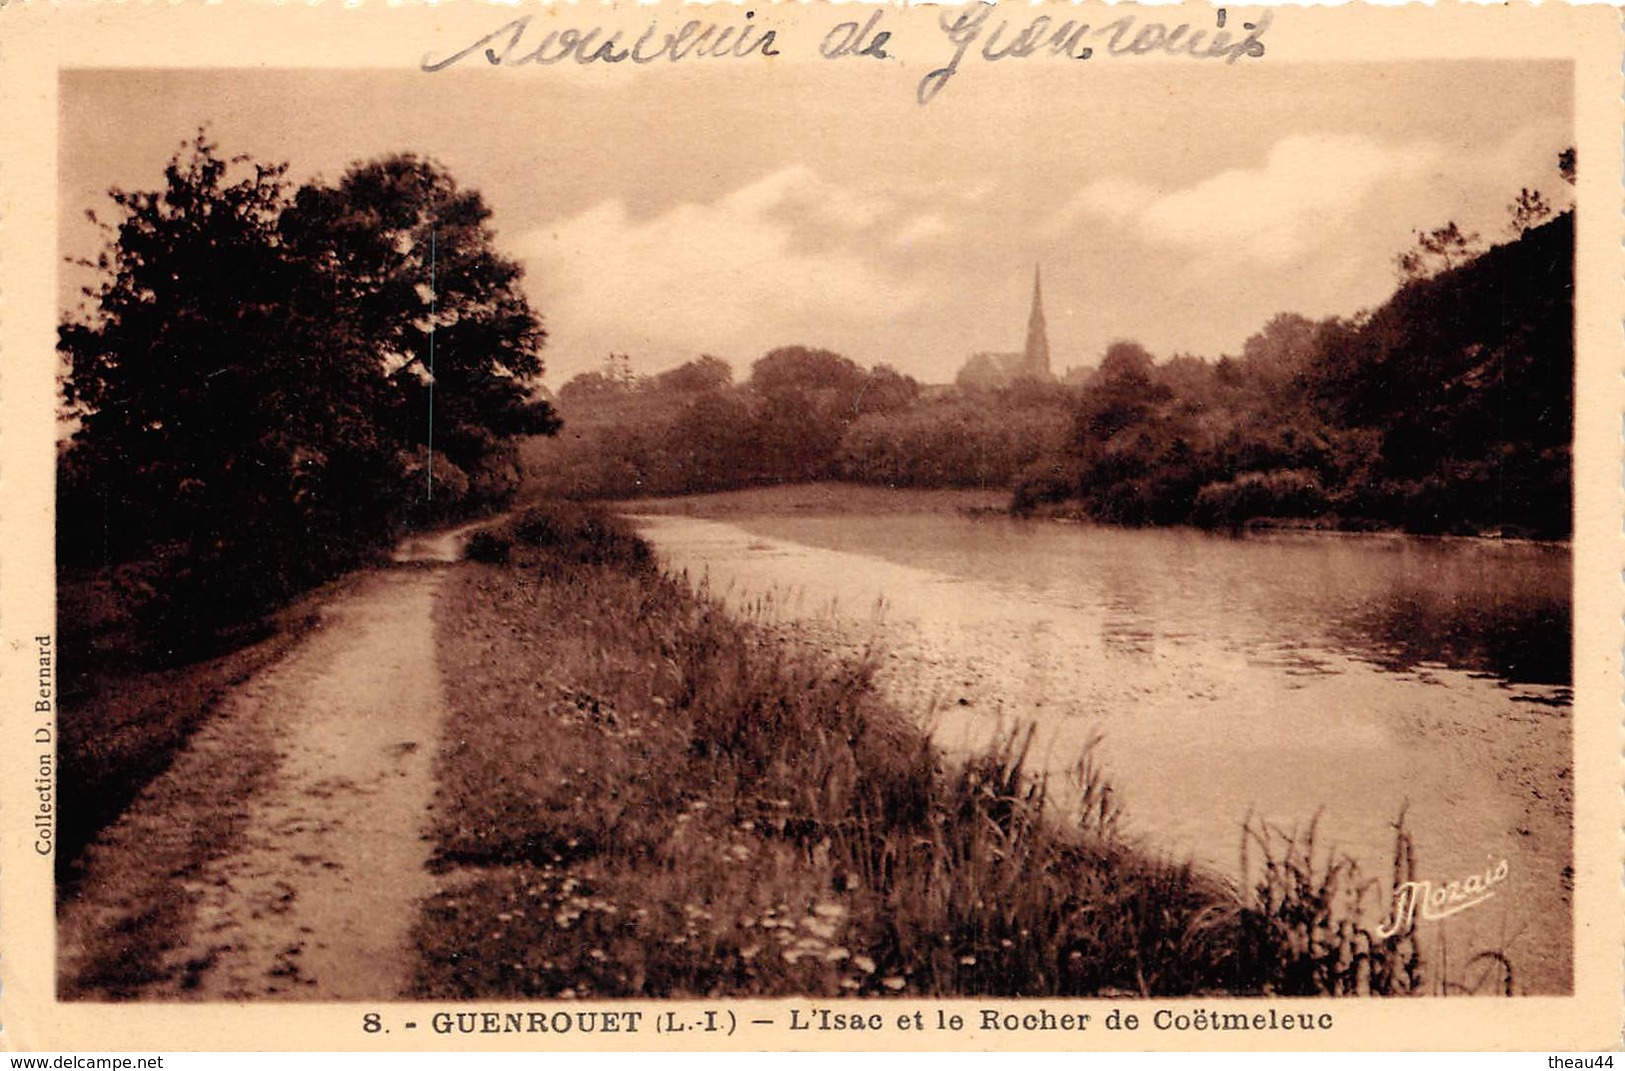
(668, 217)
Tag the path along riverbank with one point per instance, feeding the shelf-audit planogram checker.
(285, 846)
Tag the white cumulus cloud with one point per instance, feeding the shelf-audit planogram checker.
(921, 228)
(785, 253)
(1308, 186)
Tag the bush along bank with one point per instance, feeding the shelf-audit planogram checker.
(640, 795)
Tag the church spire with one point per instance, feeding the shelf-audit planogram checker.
(1036, 356)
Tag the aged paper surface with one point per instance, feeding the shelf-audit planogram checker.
(881, 181)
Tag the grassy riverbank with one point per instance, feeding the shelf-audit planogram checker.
(824, 497)
(640, 795)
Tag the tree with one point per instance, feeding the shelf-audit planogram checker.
(705, 373)
(887, 390)
(1127, 363)
(1528, 211)
(589, 386)
(414, 271)
(225, 427)
(1436, 252)
(248, 375)
(798, 368)
(182, 372)
(712, 441)
(806, 398)
(1121, 395)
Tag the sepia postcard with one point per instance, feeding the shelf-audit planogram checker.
(1016, 526)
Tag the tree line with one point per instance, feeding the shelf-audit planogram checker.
(268, 382)
(801, 414)
(1448, 409)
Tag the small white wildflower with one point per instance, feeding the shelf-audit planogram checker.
(823, 929)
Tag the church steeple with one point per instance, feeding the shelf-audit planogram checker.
(1035, 361)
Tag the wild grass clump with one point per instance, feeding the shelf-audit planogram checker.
(492, 548)
(572, 534)
(1310, 927)
(1314, 925)
(644, 796)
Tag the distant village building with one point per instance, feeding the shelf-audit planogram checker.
(993, 370)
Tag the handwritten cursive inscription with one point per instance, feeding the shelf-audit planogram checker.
(516, 44)
(509, 46)
(1440, 902)
(1126, 36)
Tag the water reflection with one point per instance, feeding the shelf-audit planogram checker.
(1519, 642)
(1129, 628)
(1284, 600)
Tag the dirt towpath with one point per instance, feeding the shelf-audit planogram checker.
(316, 896)
(437, 547)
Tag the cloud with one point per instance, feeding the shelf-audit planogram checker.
(786, 256)
(798, 193)
(1308, 186)
(921, 228)
(1115, 199)
(1313, 227)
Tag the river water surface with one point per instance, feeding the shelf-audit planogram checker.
(1282, 676)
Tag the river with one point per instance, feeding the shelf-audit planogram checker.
(1290, 677)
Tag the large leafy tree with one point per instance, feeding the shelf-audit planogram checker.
(224, 425)
(414, 270)
(248, 374)
(205, 398)
(791, 369)
(805, 399)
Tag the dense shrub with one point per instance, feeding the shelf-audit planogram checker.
(1278, 493)
(491, 547)
(574, 534)
(984, 440)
